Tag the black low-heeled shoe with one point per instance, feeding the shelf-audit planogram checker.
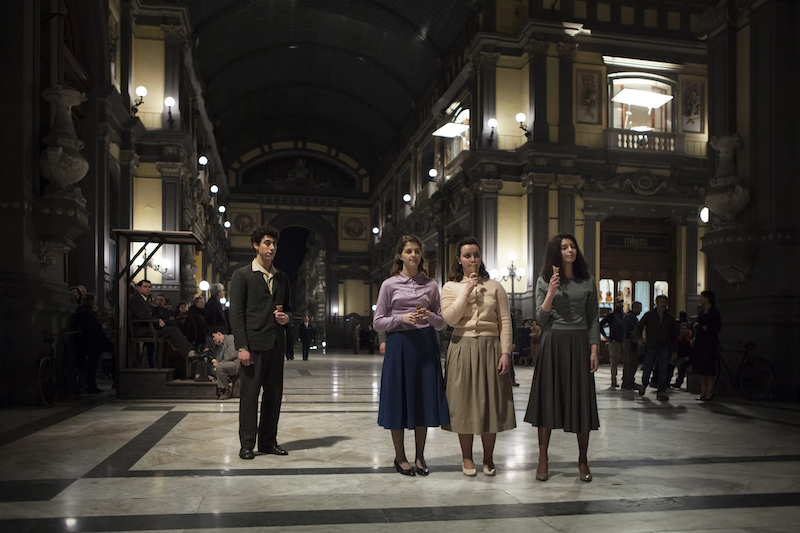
(421, 471)
(707, 399)
(409, 472)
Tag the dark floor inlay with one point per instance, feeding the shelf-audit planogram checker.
(304, 372)
(36, 490)
(118, 464)
(555, 466)
(150, 408)
(401, 515)
(30, 428)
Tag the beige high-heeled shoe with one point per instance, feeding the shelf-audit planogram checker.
(470, 472)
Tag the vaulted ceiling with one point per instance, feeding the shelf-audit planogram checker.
(344, 73)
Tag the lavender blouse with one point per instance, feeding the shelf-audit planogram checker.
(400, 295)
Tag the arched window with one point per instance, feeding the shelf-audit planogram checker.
(641, 102)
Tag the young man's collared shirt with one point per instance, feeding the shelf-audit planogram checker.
(269, 275)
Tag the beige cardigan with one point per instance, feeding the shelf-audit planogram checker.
(484, 313)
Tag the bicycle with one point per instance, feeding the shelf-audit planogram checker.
(754, 376)
(57, 370)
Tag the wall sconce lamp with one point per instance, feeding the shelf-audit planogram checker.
(141, 92)
(202, 160)
(375, 230)
(492, 123)
(432, 173)
(204, 285)
(227, 224)
(214, 189)
(170, 103)
(704, 215)
(523, 124)
(221, 209)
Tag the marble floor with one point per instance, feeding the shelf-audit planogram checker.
(103, 465)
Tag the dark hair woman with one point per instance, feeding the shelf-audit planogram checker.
(412, 385)
(563, 391)
(706, 345)
(479, 392)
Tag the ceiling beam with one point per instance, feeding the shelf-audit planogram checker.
(213, 76)
(263, 91)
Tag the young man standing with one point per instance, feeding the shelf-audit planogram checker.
(260, 305)
(614, 321)
(659, 328)
(630, 349)
(306, 336)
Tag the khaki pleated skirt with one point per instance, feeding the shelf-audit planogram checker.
(479, 398)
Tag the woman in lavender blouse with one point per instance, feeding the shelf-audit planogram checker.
(412, 385)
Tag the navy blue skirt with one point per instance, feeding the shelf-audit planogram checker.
(412, 384)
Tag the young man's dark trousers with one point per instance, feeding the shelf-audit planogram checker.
(657, 358)
(266, 372)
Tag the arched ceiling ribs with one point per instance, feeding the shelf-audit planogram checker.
(214, 76)
(307, 153)
(366, 158)
(361, 140)
(342, 9)
(263, 91)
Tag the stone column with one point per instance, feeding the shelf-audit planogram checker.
(538, 187)
(485, 64)
(485, 218)
(566, 129)
(692, 298)
(174, 41)
(171, 216)
(567, 189)
(591, 218)
(128, 12)
(537, 72)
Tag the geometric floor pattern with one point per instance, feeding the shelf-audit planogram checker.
(103, 465)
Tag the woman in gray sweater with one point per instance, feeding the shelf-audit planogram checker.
(563, 391)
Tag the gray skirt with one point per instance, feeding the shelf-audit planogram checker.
(563, 393)
(479, 398)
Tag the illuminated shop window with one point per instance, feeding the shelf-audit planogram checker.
(642, 294)
(641, 104)
(606, 294)
(660, 287)
(625, 293)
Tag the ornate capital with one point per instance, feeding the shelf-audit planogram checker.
(130, 158)
(174, 33)
(487, 186)
(567, 50)
(537, 179)
(48, 251)
(535, 47)
(595, 216)
(715, 17)
(566, 181)
(170, 170)
(484, 60)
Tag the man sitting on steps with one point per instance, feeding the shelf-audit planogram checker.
(140, 309)
(226, 361)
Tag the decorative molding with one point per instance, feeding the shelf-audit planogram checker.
(537, 179)
(566, 181)
(170, 170)
(536, 47)
(61, 162)
(727, 195)
(48, 251)
(716, 17)
(174, 33)
(567, 50)
(486, 59)
(597, 216)
(129, 158)
(491, 186)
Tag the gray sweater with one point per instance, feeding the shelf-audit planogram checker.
(226, 351)
(574, 307)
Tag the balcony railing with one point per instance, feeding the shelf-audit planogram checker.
(650, 141)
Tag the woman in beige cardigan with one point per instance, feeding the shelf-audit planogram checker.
(478, 384)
